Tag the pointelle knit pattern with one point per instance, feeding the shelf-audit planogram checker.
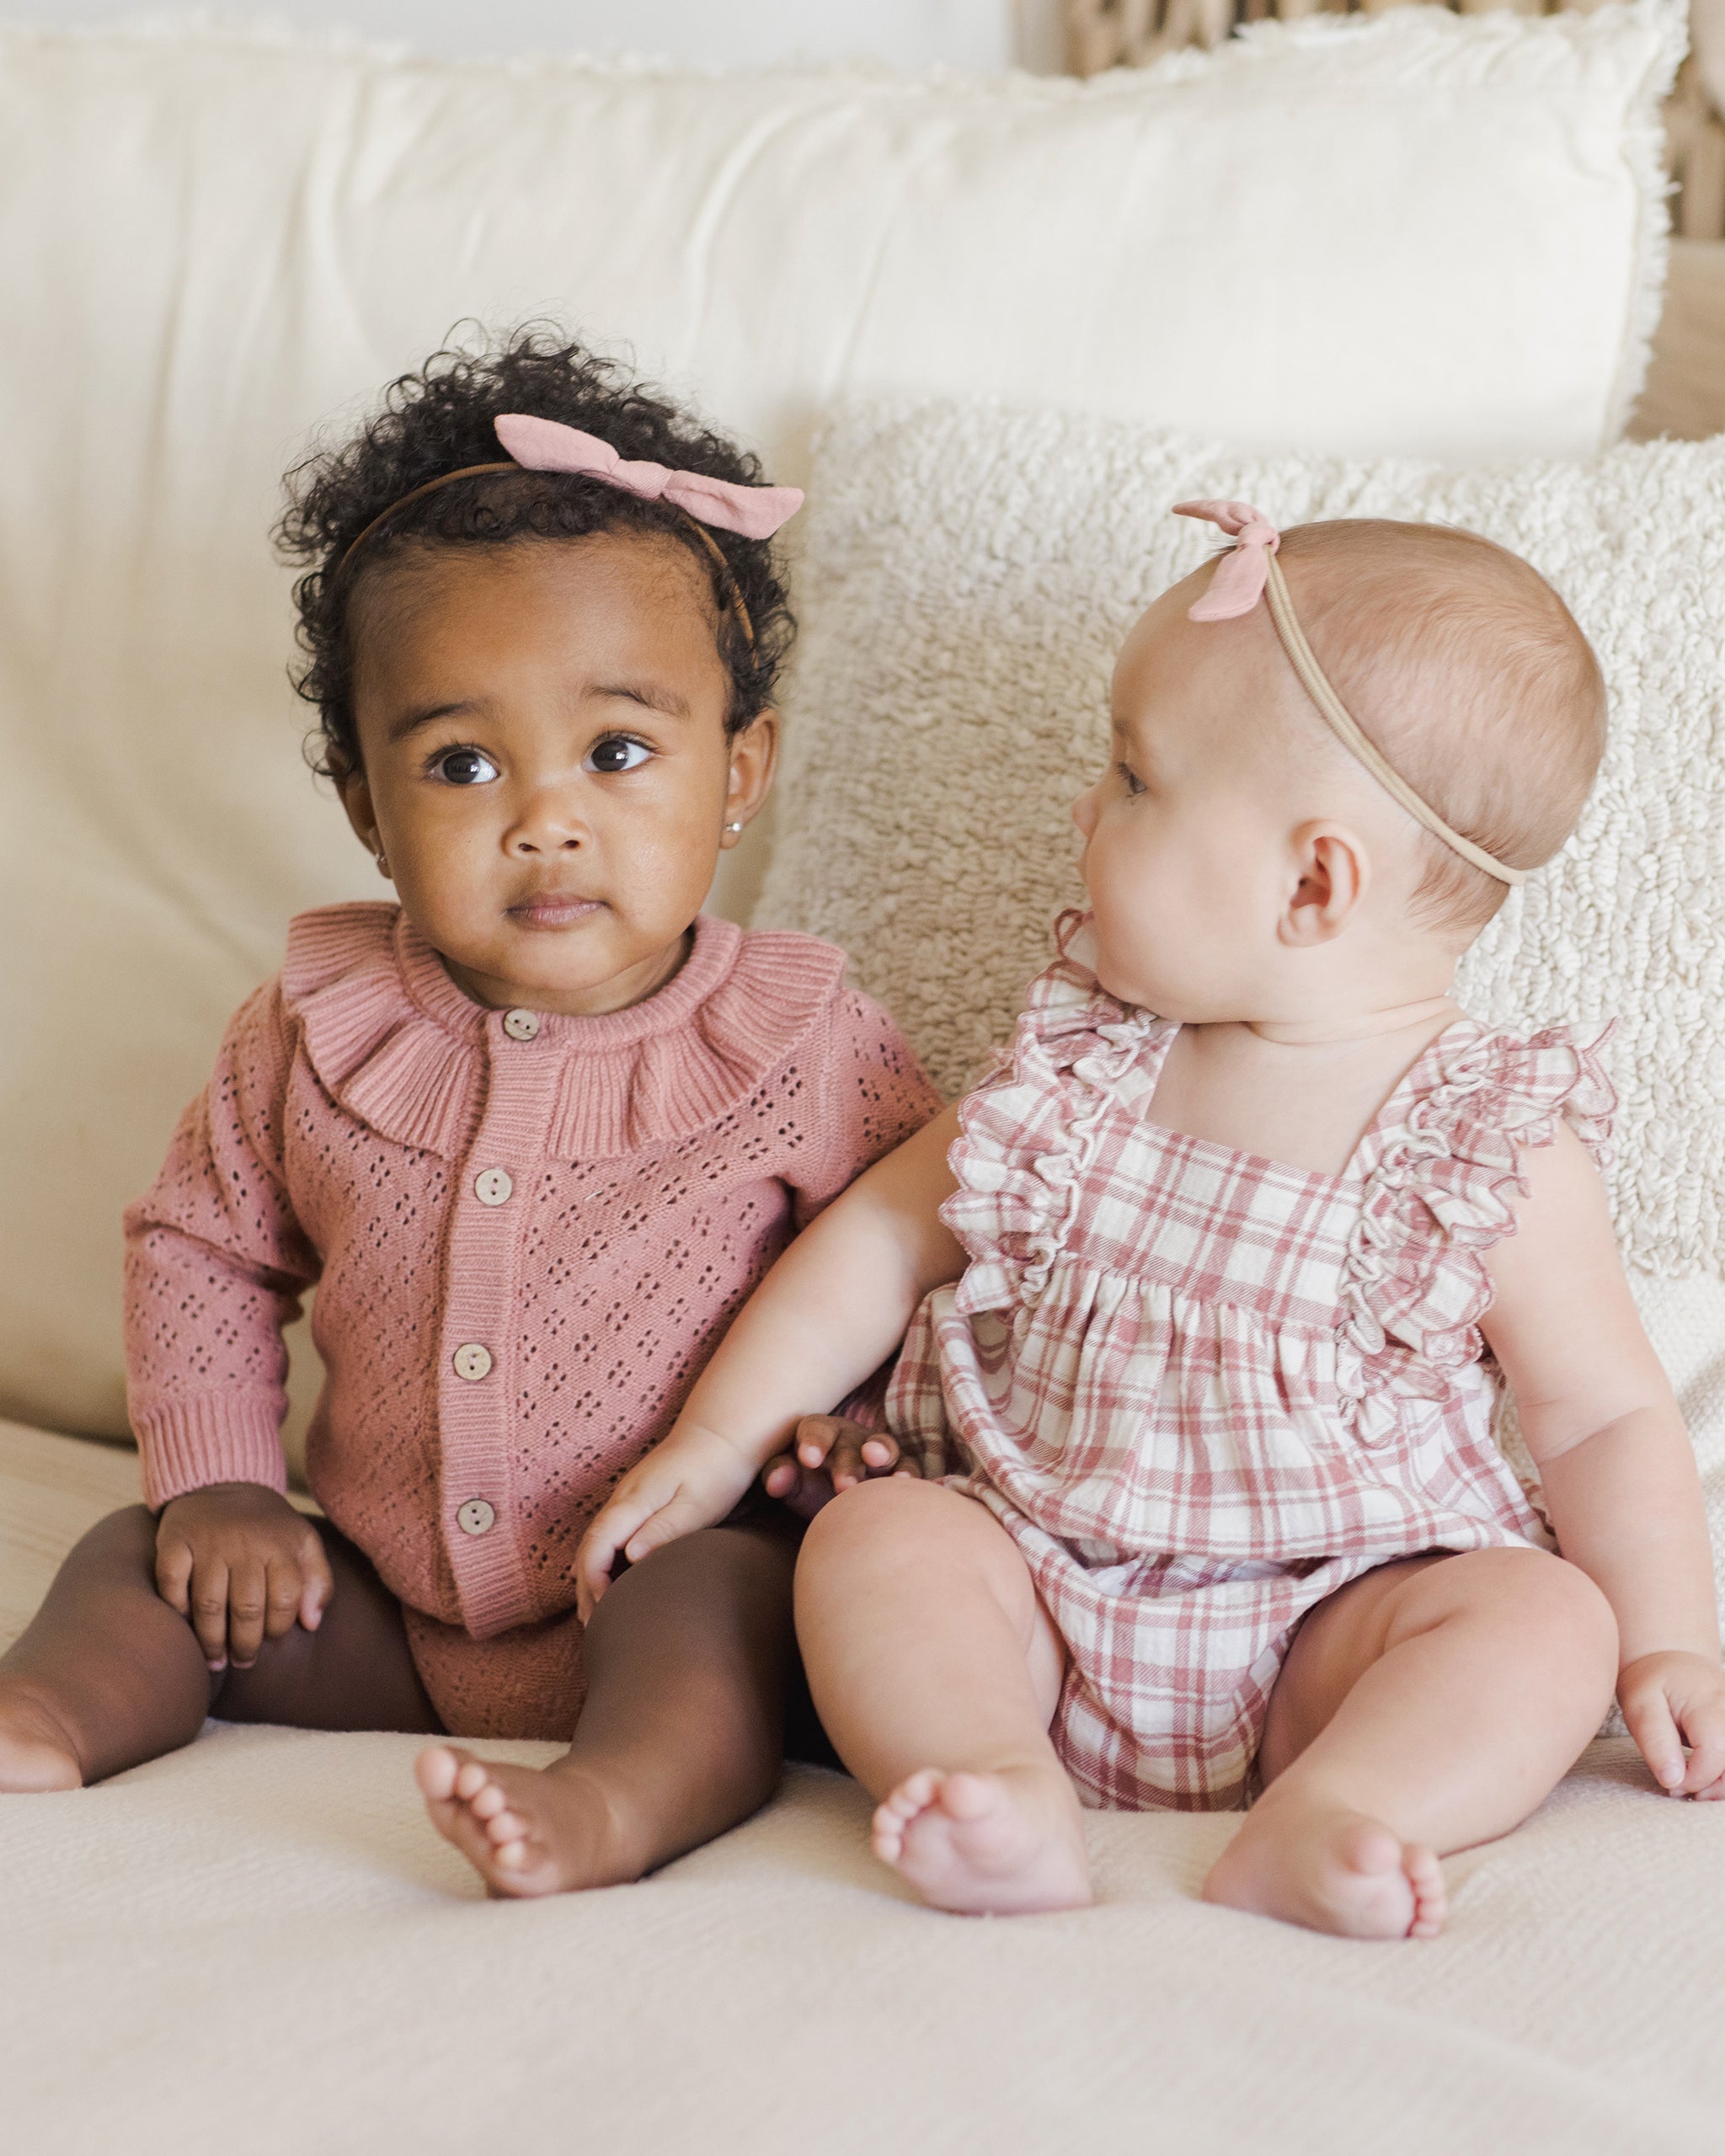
(524, 1249)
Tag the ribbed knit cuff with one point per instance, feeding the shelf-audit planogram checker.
(200, 1438)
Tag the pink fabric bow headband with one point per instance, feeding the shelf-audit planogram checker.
(547, 445)
(1250, 572)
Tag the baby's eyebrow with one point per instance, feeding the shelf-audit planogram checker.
(1128, 736)
(410, 721)
(651, 695)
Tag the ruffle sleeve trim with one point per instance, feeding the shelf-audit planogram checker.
(1028, 1134)
(1442, 1192)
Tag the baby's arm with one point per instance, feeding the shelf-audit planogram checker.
(1599, 1418)
(216, 1263)
(827, 1316)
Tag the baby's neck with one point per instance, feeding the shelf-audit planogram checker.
(1302, 1092)
(1342, 1028)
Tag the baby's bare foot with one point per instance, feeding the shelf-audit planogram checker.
(1321, 1865)
(526, 1830)
(1010, 1843)
(36, 1752)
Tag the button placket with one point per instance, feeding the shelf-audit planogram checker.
(477, 1394)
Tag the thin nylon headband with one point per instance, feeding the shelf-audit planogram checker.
(1342, 723)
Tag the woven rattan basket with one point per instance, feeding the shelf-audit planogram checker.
(1103, 34)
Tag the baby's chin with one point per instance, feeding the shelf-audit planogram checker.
(1141, 990)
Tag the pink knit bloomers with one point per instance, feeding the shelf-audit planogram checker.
(526, 1232)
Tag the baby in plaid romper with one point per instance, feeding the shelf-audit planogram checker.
(1212, 1291)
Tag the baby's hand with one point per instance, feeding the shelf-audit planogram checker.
(1673, 1700)
(691, 1481)
(830, 1454)
(243, 1565)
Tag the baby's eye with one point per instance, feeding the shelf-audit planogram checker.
(616, 752)
(464, 767)
(1130, 778)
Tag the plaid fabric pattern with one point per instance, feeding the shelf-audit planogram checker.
(1191, 1387)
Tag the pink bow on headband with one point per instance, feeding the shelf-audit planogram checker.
(1238, 584)
(547, 445)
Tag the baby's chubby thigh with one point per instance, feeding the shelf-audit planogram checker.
(922, 1630)
(1476, 1676)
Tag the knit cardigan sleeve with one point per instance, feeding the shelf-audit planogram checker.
(216, 1263)
(871, 1095)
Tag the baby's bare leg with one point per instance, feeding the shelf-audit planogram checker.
(107, 1675)
(935, 1670)
(689, 1658)
(1428, 1706)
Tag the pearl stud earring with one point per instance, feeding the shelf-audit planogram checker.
(383, 866)
(734, 829)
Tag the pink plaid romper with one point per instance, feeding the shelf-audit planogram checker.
(1203, 1390)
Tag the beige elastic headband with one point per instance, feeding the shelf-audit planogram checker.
(1252, 569)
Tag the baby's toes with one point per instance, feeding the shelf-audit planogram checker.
(435, 1770)
(1431, 1899)
(470, 1778)
(914, 1795)
(506, 1826)
(487, 1801)
(887, 1838)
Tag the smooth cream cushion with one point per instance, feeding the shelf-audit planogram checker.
(970, 573)
(1427, 231)
(280, 1956)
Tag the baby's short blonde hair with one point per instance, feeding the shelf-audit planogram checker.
(1470, 675)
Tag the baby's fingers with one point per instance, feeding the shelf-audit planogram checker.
(1648, 1716)
(208, 1598)
(174, 1575)
(248, 1583)
(857, 1454)
(781, 1477)
(611, 1527)
(679, 1516)
(882, 1455)
(816, 1436)
(317, 1581)
(283, 1590)
(1704, 1726)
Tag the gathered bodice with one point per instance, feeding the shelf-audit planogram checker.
(1061, 1169)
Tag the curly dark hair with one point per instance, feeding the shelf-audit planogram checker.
(438, 420)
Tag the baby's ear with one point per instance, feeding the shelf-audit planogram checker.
(351, 784)
(1332, 871)
(754, 758)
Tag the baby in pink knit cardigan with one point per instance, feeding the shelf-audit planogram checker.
(534, 1132)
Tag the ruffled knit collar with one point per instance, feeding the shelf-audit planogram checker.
(399, 1045)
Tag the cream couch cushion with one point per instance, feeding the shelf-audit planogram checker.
(259, 1944)
(1431, 233)
(970, 573)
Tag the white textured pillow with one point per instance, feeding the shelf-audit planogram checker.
(970, 575)
(1424, 231)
